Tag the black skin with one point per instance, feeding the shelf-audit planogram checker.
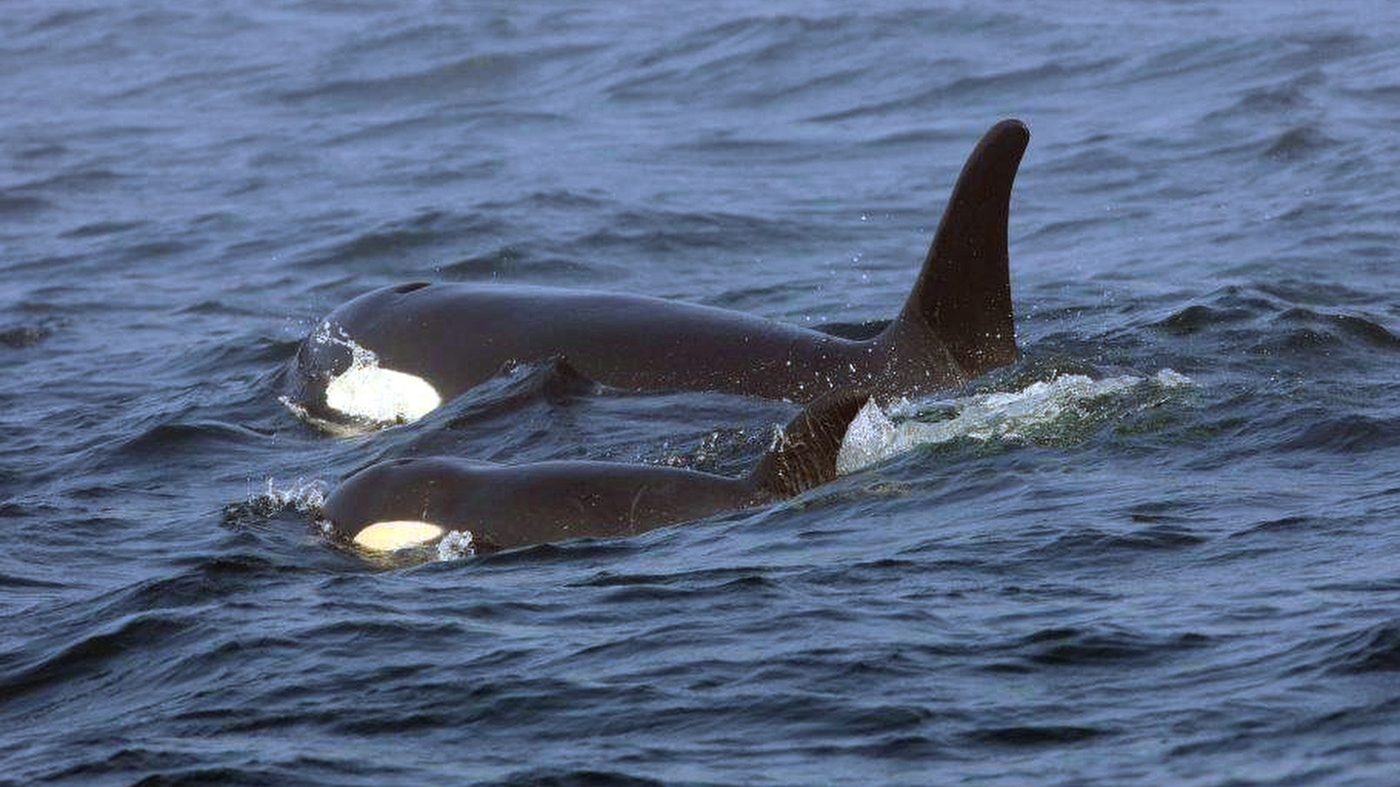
(510, 506)
(956, 324)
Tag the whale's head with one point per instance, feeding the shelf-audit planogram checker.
(340, 385)
(397, 504)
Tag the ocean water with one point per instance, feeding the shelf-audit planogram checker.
(1161, 549)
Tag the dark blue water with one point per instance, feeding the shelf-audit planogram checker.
(1200, 587)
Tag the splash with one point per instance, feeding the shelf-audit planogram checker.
(303, 497)
(873, 437)
(455, 545)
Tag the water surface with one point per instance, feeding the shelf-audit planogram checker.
(1166, 585)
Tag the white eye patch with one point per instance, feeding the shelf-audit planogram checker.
(369, 392)
(398, 534)
(381, 395)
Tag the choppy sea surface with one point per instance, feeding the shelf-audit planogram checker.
(1164, 548)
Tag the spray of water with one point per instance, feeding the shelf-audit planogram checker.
(874, 436)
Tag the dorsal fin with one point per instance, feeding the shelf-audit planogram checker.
(964, 291)
(803, 454)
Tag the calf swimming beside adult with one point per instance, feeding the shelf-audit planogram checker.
(410, 502)
(396, 353)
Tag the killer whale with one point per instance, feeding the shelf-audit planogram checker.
(394, 354)
(417, 501)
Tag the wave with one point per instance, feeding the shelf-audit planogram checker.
(1055, 409)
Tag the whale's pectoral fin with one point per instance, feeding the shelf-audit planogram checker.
(803, 454)
(963, 295)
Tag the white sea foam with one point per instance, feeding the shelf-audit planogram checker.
(874, 437)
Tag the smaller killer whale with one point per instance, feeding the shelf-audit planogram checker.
(411, 502)
(394, 354)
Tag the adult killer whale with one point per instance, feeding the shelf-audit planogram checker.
(394, 354)
(417, 501)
